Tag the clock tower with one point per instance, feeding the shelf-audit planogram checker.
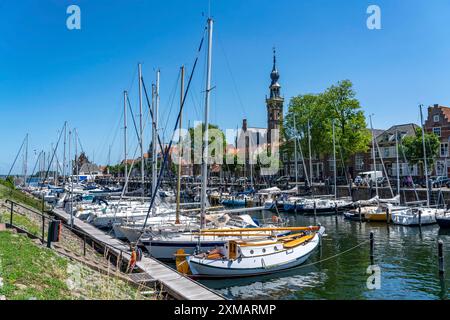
(274, 102)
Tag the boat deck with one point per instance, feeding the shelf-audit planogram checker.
(176, 284)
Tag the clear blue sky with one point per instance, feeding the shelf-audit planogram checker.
(50, 74)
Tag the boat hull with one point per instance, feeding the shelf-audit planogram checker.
(247, 266)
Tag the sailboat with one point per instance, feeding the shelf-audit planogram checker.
(420, 215)
(244, 258)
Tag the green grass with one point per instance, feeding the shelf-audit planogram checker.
(30, 271)
(22, 222)
(18, 196)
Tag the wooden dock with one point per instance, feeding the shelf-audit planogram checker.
(176, 284)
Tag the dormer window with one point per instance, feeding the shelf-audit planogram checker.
(436, 118)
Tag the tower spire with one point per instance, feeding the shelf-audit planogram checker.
(274, 59)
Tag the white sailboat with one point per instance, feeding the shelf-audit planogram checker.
(240, 258)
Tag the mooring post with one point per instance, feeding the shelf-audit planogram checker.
(84, 244)
(12, 212)
(441, 257)
(420, 218)
(295, 207)
(43, 229)
(388, 215)
(371, 247)
(359, 212)
(315, 209)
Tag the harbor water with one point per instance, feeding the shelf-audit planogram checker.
(407, 258)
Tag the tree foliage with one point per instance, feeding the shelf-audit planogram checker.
(337, 103)
(413, 148)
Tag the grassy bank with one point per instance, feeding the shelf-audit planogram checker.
(8, 191)
(30, 271)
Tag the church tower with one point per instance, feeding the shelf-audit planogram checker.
(274, 102)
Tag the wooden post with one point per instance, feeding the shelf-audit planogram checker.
(12, 212)
(84, 245)
(371, 247)
(359, 211)
(315, 209)
(441, 257)
(388, 215)
(43, 229)
(420, 218)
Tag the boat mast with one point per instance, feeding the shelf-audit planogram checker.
(205, 136)
(125, 138)
(295, 151)
(64, 155)
(398, 164)
(75, 142)
(25, 165)
(334, 163)
(154, 136)
(177, 220)
(310, 156)
(373, 156)
(141, 131)
(71, 181)
(424, 156)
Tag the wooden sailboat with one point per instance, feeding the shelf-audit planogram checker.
(240, 258)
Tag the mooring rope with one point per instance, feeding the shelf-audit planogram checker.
(309, 264)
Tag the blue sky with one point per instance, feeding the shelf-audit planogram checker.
(50, 74)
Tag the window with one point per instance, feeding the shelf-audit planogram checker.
(436, 118)
(386, 152)
(437, 131)
(359, 162)
(444, 149)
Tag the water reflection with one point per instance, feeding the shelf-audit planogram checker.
(407, 257)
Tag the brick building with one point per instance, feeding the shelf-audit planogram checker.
(438, 122)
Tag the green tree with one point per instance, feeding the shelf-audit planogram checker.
(412, 146)
(337, 103)
(196, 136)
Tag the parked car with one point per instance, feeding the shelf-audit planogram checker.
(382, 181)
(282, 179)
(439, 182)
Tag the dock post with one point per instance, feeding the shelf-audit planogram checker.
(420, 218)
(84, 245)
(336, 212)
(388, 215)
(441, 257)
(359, 212)
(295, 206)
(43, 229)
(371, 247)
(315, 209)
(12, 212)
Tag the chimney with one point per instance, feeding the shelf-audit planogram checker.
(244, 124)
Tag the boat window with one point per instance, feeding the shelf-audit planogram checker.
(252, 252)
(275, 248)
(264, 250)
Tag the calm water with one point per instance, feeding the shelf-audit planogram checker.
(407, 257)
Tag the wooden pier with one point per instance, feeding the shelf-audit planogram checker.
(176, 284)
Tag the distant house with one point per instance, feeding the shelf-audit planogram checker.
(438, 122)
(89, 169)
(387, 146)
